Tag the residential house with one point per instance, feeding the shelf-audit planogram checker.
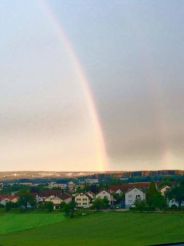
(56, 201)
(4, 199)
(132, 195)
(126, 187)
(54, 196)
(104, 194)
(66, 198)
(83, 200)
(43, 195)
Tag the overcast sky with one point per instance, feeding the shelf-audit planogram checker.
(132, 53)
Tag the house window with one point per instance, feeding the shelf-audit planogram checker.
(138, 197)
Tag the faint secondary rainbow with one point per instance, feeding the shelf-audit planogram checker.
(102, 158)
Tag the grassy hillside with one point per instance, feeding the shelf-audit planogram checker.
(103, 229)
(19, 222)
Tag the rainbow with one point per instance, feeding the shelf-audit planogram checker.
(100, 148)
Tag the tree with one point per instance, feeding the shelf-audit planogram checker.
(177, 193)
(94, 188)
(105, 202)
(119, 197)
(8, 206)
(26, 199)
(69, 209)
(49, 206)
(99, 203)
(62, 206)
(141, 205)
(154, 198)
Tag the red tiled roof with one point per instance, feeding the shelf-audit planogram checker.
(8, 197)
(85, 194)
(57, 193)
(126, 187)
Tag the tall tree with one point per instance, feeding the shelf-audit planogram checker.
(177, 193)
(26, 199)
(154, 198)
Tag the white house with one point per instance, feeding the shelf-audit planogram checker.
(104, 194)
(4, 199)
(56, 201)
(83, 200)
(132, 195)
(54, 197)
(174, 203)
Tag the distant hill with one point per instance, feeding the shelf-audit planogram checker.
(51, 174)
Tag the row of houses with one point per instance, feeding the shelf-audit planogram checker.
(132, 192)
(54, 196)
(85, 200)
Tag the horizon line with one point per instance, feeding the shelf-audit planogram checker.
(96, 171)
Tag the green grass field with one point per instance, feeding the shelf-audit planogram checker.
(20, 222)
(101, 229)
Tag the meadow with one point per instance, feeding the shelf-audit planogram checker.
(103, 229)
(14, 222)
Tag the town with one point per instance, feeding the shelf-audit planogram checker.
(95, 192)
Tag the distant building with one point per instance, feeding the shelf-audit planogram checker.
(56, 185)
(91, 181)
(81, 186)
(71, 186)
(26, 183)
(132, 195)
